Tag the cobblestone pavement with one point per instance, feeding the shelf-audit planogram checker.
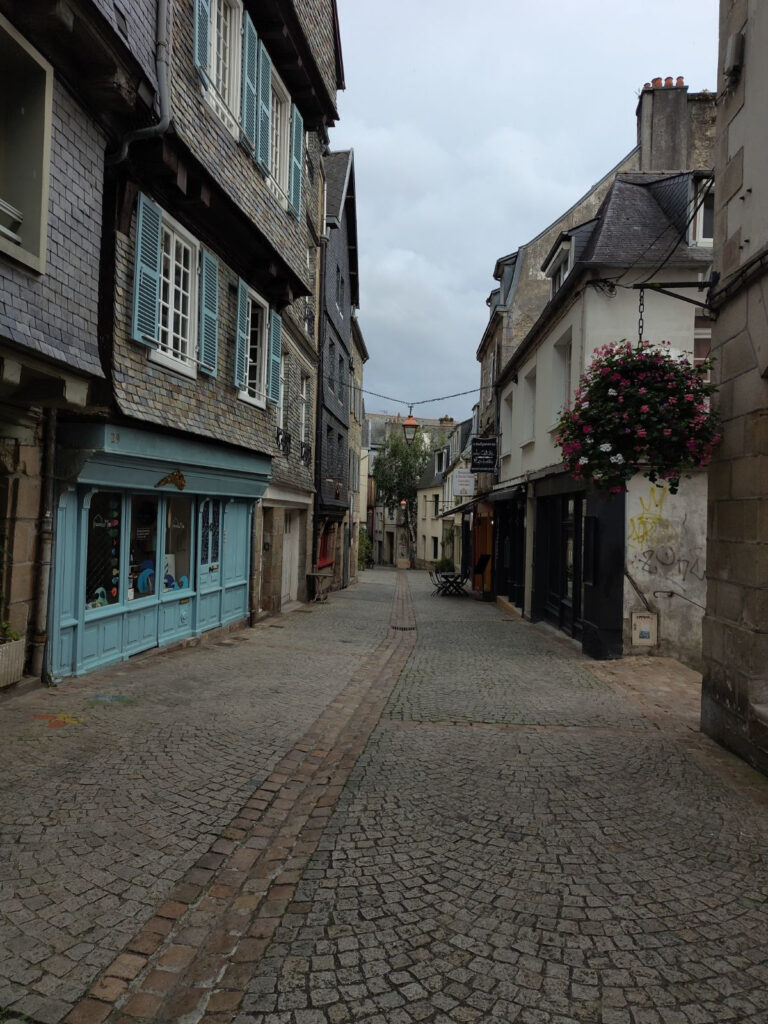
(332, 821)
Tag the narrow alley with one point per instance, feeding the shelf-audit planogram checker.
(386, 808)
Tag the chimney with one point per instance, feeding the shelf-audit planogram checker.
(663, 125)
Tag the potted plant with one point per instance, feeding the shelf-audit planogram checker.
(638, 409)
(11, 655)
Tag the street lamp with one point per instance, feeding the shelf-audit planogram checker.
(410, 426)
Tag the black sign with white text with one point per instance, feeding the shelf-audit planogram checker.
(483, 454)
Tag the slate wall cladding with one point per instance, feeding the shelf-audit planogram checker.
(139, 35)
(203, 131)
(316, 17)
(56, 313)
(206, 406)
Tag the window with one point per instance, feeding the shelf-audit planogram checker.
(331, 365)
(506, 411)
(226, 20)
(435, 505)
(25, 116)
(434, 548)
(702, 344)
(279, 137)
(341, 377)
(102, 569)
(142, 569)
(529, 407)
(339, 290)
(258, 348)
(561, 376)
(558, 267)
(173, 316)
(178, 266)
(281, 402)
(255, 376)
(304, 409)
(704, 220)
(439, 461)
(249, 96)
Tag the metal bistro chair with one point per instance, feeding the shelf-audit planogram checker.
(436, 582)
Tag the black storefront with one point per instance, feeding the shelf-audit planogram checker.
(509, 553)
(578, 570)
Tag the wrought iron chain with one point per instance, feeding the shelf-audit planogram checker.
(641, 310)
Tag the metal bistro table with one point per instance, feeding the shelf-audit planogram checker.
(452, 583)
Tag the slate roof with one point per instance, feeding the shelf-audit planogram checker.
(632, 227)
(337, 171)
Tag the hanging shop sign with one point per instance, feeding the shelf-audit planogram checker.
(483, 455)
(463, 483)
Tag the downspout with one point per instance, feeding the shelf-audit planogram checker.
(162, 67)
(319, 396)
(38, 660)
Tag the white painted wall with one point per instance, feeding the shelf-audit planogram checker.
(665, 555)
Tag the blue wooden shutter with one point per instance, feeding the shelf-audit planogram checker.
(297, 160)
(146, 280)
(264, 140)
(202, 37)
(241, 337)
(250, 84)
(209, 312)
(275, 355)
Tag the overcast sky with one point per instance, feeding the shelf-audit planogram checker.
(474, 125)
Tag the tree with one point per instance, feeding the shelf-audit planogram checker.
(396, 473)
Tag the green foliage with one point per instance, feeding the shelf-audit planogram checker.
(7, 634)
(445, 565)
(364, 548)
(398, 468)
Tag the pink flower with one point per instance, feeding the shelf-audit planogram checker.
(645, 408)
(689, 397)
(667, 432)
(587, 429)
(642, 433)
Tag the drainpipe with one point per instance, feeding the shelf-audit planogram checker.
(38, 662)
(162, 67)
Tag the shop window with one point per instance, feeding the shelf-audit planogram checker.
(177, 570)
(102, 572)
(143, 547)
(210, 533)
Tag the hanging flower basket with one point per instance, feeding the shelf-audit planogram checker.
(638, 409)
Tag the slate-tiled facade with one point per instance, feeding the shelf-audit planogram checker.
(79, 313)
(340, 298)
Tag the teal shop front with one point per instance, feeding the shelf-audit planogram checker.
(152, 542)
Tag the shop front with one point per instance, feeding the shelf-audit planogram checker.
(153, 542)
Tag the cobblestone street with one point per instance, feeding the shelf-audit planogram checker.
(388, 808)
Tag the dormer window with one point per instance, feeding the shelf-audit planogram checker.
(558, 268)
(439, 461)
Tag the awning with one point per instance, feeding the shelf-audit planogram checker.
(507, 494)
(465, 506)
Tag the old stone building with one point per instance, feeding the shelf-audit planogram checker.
(735, 688)
(556, 302)
(197, 274)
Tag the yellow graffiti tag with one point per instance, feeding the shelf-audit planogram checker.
(650, 528)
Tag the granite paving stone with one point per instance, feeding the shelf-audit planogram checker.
(384, 809)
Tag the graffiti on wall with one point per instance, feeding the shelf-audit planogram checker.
(661, 542)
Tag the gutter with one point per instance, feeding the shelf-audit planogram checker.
(162, 66)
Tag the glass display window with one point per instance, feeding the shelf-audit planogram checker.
(102, 572)
(142, 573)
(178, 567)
